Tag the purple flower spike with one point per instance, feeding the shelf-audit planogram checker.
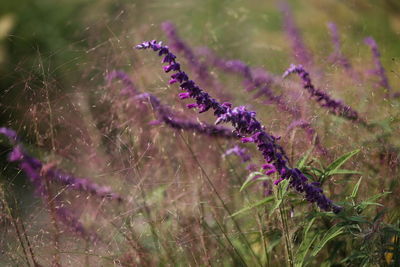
(300, 52)
(324, 100)
(246, 124)
(379, 69)
(165, 114)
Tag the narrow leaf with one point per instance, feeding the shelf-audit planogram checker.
(259, 203)
(340, 161)
(251, 179)
(342, 171)
(355, 189)
(305, 245)
(333, 232)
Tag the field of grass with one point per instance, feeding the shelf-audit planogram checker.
(272, 139)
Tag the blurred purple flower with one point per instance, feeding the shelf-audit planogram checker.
(337, 55)
(69, 219)
(324, 100)
(379, 69)
(129, 88)
(245, 124)
(36, 171)
(238, 151)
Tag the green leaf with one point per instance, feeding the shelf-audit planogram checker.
(250, 179)
(300, 164)
(370, 201)
(280, 195)
(309, 226)
(355, 189)
(259, 203)
(305, 245)
(377, 196)
(340, 161)
(282, 189)
(356, 219)
(276, 205)
(333, 232)
(342, 171)
(303, 249)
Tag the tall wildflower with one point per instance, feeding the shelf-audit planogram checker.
(379, 69)
(324, 100)
(245, 124)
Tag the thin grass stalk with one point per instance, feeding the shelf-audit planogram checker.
(286, 233)
(29, 245)
(263, 240)
(221, 244)
(147, 213)
(53, 215)
(202, 239)
(231, 244)
(15, 225)
(220, 199)
(136, 246)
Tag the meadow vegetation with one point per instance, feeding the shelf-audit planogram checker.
(255, 134)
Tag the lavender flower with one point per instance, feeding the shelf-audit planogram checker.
(245, 124)
(337, 55)
(165, 114)
(301, 53)
(324, 100)
(380, 70)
